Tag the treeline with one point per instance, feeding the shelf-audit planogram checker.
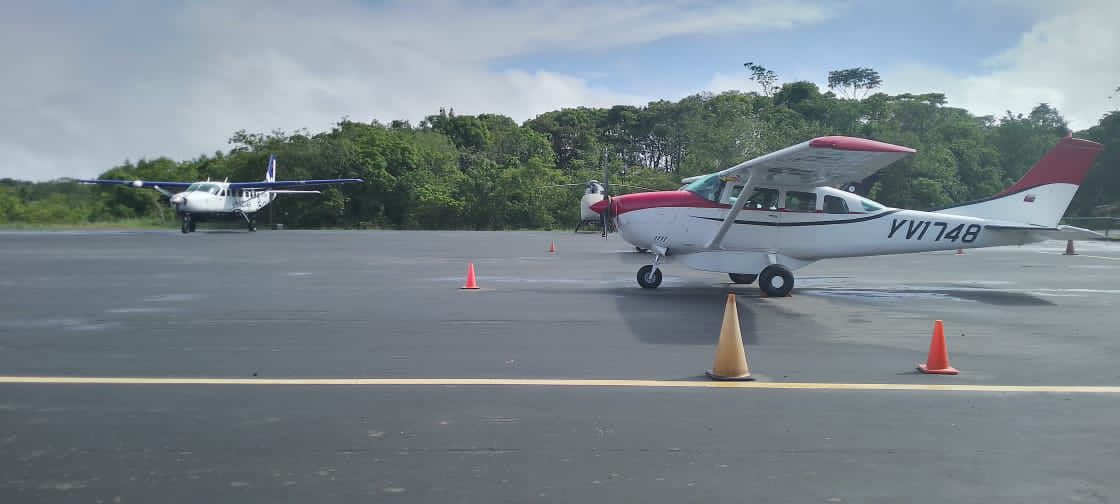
(488, 172)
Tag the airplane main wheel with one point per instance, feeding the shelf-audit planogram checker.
(252, 226)
(191, 227)
(648, 277)
(776, 280)
(186, 226)
(742, 278)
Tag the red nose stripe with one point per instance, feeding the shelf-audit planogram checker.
(660, 199)
(599, 206)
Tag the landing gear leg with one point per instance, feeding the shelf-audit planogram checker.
(649, 276)
(249, 222)
(188, 224)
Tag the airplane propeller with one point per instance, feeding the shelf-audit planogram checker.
(605, 218)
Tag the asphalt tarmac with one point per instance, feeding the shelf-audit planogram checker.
(339, 305)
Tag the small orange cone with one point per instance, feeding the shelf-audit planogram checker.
(1069, 248)
(552, 247)
(938, 360)
(471, 283)
(731, 359)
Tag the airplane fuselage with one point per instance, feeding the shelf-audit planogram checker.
(218, 198)
(681, 224)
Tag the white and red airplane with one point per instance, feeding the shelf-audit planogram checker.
(200, 201)
(765, 217)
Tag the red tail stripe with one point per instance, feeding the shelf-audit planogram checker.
(1066, 163)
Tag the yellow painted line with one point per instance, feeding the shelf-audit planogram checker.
(530, 382)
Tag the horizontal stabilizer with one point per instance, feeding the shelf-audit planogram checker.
(1054, 233)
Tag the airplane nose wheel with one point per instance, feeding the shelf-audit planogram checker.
(188, 224)
(648, 277)
(776, 280)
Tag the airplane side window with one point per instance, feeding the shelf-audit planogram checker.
(763, 199)
(797, 201)
(733, 194)
(832, 204)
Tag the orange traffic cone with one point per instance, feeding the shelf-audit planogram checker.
(552, 247)
(938, 360)
(471, 283)
(1069, 248)
(731, 359)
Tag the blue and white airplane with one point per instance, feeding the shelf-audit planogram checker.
(201, 201)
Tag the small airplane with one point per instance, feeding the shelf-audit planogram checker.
(770, 215)
(201, 201)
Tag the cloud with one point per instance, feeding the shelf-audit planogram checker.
(1066, 60)
(87, 86)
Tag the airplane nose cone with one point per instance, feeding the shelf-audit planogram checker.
(599, 206)
(178, 199)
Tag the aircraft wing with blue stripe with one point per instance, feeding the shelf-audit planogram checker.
(286, 184)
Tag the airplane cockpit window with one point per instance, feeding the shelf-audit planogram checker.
(762, 199)
(832, 204)
(797, 201)
(204, 187)
(870, 206)
(708, 187)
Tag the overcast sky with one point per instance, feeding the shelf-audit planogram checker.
(87, 85)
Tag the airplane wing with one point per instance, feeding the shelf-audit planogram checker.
(162, 187)
(824, 161)
(284, 184)
(139, 183)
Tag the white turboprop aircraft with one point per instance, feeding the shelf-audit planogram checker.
(200, 201)
(765, 217)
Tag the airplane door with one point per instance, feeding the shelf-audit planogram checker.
(761, 218)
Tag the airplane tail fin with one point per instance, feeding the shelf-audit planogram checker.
(1042, 196)
(270, 174)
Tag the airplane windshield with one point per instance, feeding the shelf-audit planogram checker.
(204, 187)
(708, 187)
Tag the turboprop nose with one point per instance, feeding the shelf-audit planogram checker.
(178, 200)
(600, 205)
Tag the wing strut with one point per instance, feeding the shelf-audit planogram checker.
(729, 220)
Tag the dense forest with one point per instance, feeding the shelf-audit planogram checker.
(488, 172)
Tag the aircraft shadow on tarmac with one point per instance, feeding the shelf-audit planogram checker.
(692, 315)
(987, 296)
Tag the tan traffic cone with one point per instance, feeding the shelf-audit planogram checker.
(938, 360)
(731, 359)
(552, 247)
(1069, 248)
(472, 284)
